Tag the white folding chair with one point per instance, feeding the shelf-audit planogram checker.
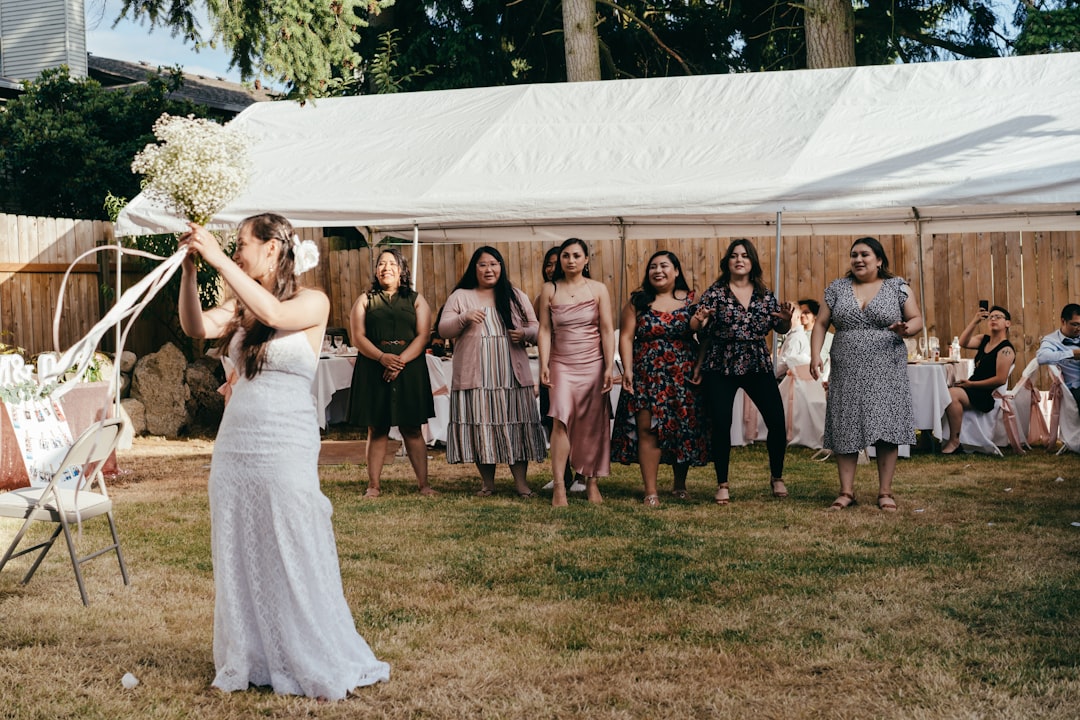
(67, 506)
(1023, 401)
(990, 431)
(1064, 417)
(984, 432)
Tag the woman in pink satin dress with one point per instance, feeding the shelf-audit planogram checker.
(577, 351)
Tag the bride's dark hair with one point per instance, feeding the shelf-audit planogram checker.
(265, 227)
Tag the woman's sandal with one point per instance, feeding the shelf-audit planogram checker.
(779, 490)
(838, 504)
(723, 497)
(371, 493)
(527, 495)
(886, 502)
(651, 501)
(680, 494)
(485, 492)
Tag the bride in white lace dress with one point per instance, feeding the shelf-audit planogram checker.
(280, 614)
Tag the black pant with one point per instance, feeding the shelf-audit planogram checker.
(762, 389)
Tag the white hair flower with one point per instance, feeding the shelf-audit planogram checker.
(305, 255)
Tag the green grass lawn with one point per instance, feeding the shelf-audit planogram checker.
(964, 604)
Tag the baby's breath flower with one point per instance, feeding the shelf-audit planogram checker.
(198, 167)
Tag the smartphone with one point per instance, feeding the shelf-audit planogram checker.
(984, 305)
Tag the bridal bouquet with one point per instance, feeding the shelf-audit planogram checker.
(198, 167)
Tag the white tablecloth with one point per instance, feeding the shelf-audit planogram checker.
(930, 392)
(440, 372)
(333, 375)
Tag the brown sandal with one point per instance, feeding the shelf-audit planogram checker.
(839, 505)
(779, 490)
(886, 502)
(651, 501)
(723, 497)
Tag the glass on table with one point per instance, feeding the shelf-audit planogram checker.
(912, 346)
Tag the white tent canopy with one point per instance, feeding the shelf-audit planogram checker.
(978, 144)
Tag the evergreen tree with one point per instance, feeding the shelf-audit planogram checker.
(1049, 26)
(66, 143)
(308, 44)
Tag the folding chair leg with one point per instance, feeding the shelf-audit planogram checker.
(75, 563)
(46, 547)
(116, 545)
(14, 544)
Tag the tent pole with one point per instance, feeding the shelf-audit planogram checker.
(622, 263)
(415, 252)
(922, 275)
(116, 344)
(776, 282)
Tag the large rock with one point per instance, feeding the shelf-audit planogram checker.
(134, 415)
(158, 383)
(127, 361)
(206, 405)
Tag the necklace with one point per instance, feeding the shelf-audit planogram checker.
(572, 293)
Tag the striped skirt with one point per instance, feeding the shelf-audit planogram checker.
(499, 422)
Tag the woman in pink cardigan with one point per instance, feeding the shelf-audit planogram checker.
(493, 413)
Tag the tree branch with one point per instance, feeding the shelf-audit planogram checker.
(649, 30)
(962, 50)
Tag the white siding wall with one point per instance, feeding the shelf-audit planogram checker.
(40, 34)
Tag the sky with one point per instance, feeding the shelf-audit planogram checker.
(135, 42)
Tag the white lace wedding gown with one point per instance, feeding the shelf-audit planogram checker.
(280, 614)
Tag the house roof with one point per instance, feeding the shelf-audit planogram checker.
(212, 92)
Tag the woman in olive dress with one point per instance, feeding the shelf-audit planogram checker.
(390, 326)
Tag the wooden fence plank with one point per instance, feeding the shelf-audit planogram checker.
(9, 238)
(1059, 288)
(926, 273)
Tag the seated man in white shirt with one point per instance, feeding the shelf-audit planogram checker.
(1062, 348)
(795, 349)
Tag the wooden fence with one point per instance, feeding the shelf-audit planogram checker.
(1033, 274)
(34, 254)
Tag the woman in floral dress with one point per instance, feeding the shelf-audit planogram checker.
(869, 394)
(737, 312)
(657, 420)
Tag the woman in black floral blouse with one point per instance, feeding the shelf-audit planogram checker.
(737, 312)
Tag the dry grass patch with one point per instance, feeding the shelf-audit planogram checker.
(963, 604)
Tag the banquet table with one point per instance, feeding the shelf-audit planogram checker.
(333, 378)
(333, 374)
(930, 383)
(83, 405)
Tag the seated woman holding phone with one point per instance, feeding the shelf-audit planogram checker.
(994, 358)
